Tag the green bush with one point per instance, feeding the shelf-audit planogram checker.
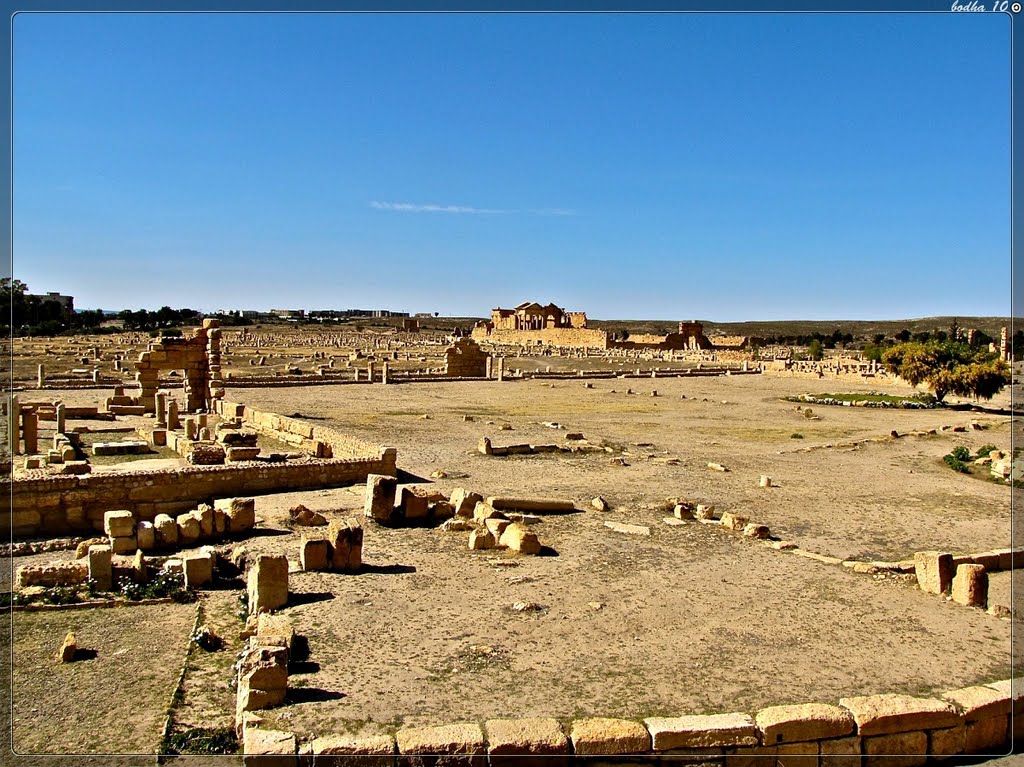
(984, 450)
(796, 435)
(61, 595)
(956, 465)
(166, 584)
(201, 740)
(961, 453)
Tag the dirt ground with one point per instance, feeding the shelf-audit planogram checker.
(114, 699)
(690, 619)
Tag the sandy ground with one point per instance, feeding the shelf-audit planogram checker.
(690, 619)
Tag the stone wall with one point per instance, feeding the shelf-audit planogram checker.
(569, 337)
(970, 720)
(64, 504)
(465, 359)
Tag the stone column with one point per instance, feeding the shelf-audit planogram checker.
(161, 409)
(30, 428)
(95, 375)
(501, 369)
(14, 425)
(60, 418)
(41, 376)
(369, 371)
(489, 365)
(190, 428)
(384, 373)
(172, 415)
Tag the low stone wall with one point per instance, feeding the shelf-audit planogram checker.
(587, 338)
(978, 720)
(59, 505)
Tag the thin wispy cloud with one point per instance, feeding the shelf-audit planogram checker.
(409, 207)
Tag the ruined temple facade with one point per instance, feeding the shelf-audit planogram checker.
(533, 324)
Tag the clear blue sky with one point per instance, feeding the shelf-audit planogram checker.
(725, 167)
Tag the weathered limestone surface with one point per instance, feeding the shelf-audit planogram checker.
(810, 721)
(702, 731)
(267, 583)
(609, 736)
(889, 713)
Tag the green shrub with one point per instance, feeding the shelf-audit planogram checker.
(61, 595)
(961, 453)
(955, 464)
(201, 740)
(984, 450)
(796, 435)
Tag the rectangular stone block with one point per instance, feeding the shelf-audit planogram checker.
(100, 567)
(609, 736)
(380, 498)
(514, 742)
(345, 751)
(840, 752)
(239, 512)
(889, 713)
(198, 569)
(345, 537)
(979, 702)
(947, 742)
(314, 555)
(269, 748)
(702, 731)
(797, 754)
(753, 756)
(903, 749)
(810, 721)
(119, 524)
(934, 570)
(125, 544)
(454, 744)
(988, 736)
(267, 583)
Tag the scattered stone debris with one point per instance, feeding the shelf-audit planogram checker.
(68, 648)
(527, 607)
(622, 527)
(599, 503)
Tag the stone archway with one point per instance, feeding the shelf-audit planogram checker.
(198, 357)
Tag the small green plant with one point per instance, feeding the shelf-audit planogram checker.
(961, 453)
(243, 605)
(166, 584)
(984, 450)
(955, 464)
(796, 435)
(201, 740)
(61, 595)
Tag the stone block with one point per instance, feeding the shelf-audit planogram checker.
(979, 702)
(529, 738)
(236, 454)
(947, 742)
(314, 554)
(732, 521)
(481, 539)
(464, 502)
(934, 570)
(166, 530)
(240, 513)
(68, 648)
(609, 736)
(345, 537)
(380, 498)
(267, 583)
(462, 739)
(274, 630)
(345, 751)
(269, 748)
(205, 516)
(124, 544)
(750, 756)
(520, 538)
(484, 511)
(970, 586)
(145, 534)
(902, 749)
(119, 524)
(797, 754)
(840, 752)
(496, 527)
(412, 504)
(988, 736)
(715, 730)
(198, 569)
(810, 721)
(100, 567)
(889, 713)
(189, 529)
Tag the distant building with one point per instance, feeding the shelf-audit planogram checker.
(289, 314)
(67, 303)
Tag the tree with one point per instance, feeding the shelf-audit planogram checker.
(815, 349)
(949, 367)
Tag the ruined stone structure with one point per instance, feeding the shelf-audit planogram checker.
(689, 337)
(198, 357)
(465, 359)
(536, 325)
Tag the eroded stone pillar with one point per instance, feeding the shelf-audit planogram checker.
(172, 415)
(14, 426)
(30, 430)
(61, 419)
(161, 409)
(41, 379)
(384, 372)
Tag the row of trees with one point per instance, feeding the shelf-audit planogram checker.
(164, 317)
